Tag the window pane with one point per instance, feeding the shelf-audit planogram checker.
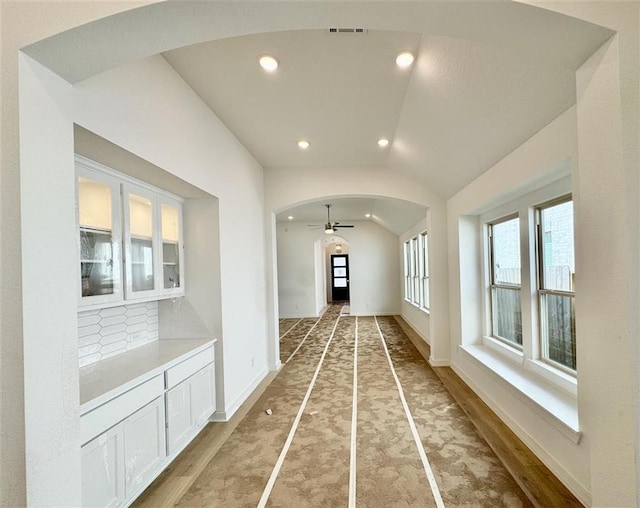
(557, 246)
(339, 261)
(170, 225)
(559, 329)
(507, 317)
(339, 272)
(339, 283)
(141, 229)
(96, 237)
(425, 295)
(506, 252)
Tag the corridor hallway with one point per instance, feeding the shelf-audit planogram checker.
(355, 417)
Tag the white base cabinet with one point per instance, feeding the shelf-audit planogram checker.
(144, 446)
(132, 437)
(189, 405)
(125, 458)
(103, 469)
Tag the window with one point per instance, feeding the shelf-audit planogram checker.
(530, 266)
(407, 270)
(556, 272)
(415, 276)
(505, 279)
(424, 271)
(416, 271)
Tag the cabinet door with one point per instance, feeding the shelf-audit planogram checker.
(141, 242)
(202, 396)
(179, 418)
(103, 469)
(172, 246)
(99, 235)
(144, 446)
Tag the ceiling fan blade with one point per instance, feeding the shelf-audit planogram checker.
(343, 226)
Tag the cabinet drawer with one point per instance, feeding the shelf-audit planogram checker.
(107, 415)
(175, 375)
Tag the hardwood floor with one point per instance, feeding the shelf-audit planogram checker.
(535, 479)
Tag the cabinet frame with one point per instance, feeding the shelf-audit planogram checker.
(88, 169)
(122, 184)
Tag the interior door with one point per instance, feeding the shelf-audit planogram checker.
(339, 277)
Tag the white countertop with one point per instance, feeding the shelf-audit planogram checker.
(101, 381)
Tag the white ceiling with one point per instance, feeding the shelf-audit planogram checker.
(461, 107)
(488, 75)
(395, 215)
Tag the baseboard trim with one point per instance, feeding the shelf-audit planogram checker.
(564, 476)
(225, 416)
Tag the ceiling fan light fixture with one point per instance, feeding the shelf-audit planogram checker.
(404, 59)
(268, 63)
(328, 229)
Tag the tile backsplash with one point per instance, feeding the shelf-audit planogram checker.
(107, 332)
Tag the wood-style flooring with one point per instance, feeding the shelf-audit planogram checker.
(353, 406)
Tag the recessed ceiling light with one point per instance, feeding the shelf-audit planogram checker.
(290, 217)
(382, 142)
(367, 215)
(304, 144)
(405, 59)
(268, 63)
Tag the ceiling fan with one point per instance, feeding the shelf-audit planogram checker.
(330, 227)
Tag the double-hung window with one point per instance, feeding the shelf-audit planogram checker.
(505, 280)
(407, 270)
(415, 276)
(556, 272)
(424, 271)
(416, 271)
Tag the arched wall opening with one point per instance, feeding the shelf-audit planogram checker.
(37, 168)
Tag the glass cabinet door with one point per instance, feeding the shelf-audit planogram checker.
(171, 232)
(99, 233)
(140, 241)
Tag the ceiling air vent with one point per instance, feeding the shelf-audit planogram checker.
(347, 31)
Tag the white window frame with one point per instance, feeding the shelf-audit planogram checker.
(407, 270)
(543, 292)
(415, 275)
(530, 357)
(416, 271)
(424, 271)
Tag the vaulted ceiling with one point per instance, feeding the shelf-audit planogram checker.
(487, 76)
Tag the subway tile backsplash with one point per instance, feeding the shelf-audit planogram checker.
(107, 332)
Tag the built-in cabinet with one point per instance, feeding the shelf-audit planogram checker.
(189, 405)
(130, 238)
(130, 438)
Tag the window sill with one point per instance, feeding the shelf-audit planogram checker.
(413, 304)
(556, 405)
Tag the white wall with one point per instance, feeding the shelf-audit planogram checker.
(188, 140)
(373, 262)
(537, 162)
(48, 142)
(285, 188)
(418, 319)
(296, 270)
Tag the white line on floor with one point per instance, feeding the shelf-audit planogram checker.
(292, 327)
(354, 425)
(416, 437)
(296, 422)
(302, 341)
